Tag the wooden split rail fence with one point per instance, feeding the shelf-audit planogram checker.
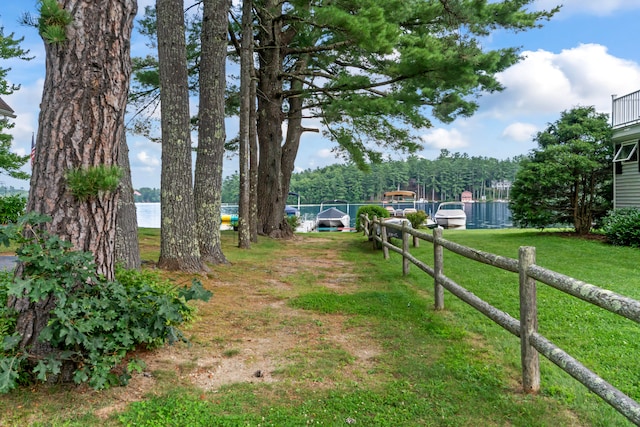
(531, 342)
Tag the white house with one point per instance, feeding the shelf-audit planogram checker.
(5, 110)
(625, 121)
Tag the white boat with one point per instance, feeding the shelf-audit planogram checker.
(333, 217)
(399, 202)
(451, 215)
(430, 223)
(391, 232)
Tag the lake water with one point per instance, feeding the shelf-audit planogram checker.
(479, 215)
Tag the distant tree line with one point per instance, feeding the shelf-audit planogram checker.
(444, 178)
(11, 190)
(147, 195)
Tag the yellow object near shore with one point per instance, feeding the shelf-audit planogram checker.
(229, 218)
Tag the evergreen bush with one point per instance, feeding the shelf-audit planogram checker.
(370, 210)
(622, 227)
(417, 219)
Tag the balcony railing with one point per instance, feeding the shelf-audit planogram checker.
(625, 109)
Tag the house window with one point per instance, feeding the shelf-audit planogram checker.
(627, 153)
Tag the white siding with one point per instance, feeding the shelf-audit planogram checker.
(627, 186)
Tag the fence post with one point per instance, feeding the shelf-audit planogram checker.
(528, 322)
(405, 249)
(383, 235)
(365, 225)
(438, 264)
(373, 233)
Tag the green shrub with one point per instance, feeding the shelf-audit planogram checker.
(11, 208)
(622, 227)
(293, 220)
(417, 219)
(370, 210)
(133, 280)
(95, 322)
(7, 316)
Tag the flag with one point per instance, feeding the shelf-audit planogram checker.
(33, 148)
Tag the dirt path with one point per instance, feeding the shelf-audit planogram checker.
(248, 333)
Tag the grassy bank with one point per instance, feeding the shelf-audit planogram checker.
(322, 331)
(605, 343)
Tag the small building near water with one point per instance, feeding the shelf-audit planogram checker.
(466, 196)
(625, 121)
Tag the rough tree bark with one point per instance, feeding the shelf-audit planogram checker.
(127, 244)
(211, 129)
(271, 221)
(294, 131)
(179, 248)
(253, 162)
(246, 66)
(81, 125)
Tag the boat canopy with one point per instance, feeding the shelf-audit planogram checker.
(399, 196)
(290, 211)
(331, 213)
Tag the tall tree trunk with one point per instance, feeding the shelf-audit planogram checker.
(81, 125)
(211, 130)
(294, 132)
(246, 66)
(253, 160)
(179, 248)
(127, 245)
(271, 221)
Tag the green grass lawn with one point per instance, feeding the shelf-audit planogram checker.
(432, 368)
(605, 343)
(456, 367)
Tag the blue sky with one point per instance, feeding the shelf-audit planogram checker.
(582, 56)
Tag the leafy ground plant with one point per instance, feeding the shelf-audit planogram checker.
(95, 323)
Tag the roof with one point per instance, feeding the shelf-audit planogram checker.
(5, 110)
(331, 213)
(398, 196)
(404, 193)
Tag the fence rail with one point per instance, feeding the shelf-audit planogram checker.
(531, 342)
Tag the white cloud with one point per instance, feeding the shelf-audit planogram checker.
(319, 159)
(548, 83)
(26, 104)
(440, 138)
(520, 132)
(325, 153)
(316, 157)
(147, 160)
(535, 83)
(595, 74)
